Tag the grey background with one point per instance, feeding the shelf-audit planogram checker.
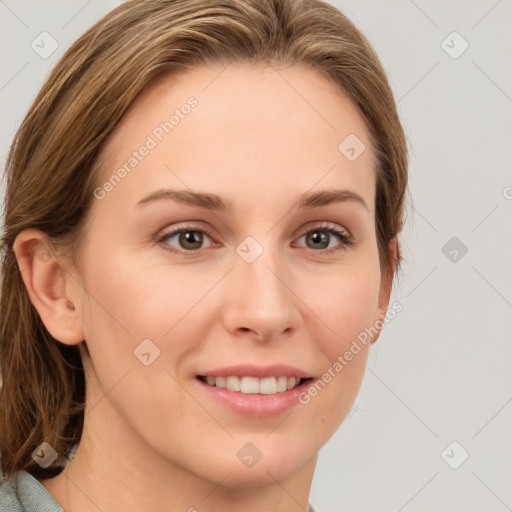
(441, 370)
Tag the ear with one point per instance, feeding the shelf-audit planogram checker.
(385, 288)
(50, 288)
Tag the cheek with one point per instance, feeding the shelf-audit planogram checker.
(138, 297)
(346, 305)
(131, 300)
(344, 308)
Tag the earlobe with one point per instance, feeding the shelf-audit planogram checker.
(46, 282)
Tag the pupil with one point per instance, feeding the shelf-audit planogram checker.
(191, 237)
(319, 237)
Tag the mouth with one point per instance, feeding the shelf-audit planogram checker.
(254, 392)
(253, 385)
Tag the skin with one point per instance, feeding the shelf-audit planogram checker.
(151, 436)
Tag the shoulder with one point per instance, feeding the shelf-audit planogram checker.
(9, 501)
(21, 492)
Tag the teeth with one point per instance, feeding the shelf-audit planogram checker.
(233, 383)
(268, 386)
(253, 385)
(282, 384)
(249, 385)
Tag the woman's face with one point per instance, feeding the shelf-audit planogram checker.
(177, 293)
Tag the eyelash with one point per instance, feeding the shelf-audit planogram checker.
(346, 239)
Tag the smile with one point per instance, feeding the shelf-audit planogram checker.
(253, 385)
(254, 391)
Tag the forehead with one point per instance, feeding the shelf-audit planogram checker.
(242, 127)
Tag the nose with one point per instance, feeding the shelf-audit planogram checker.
(259, 299)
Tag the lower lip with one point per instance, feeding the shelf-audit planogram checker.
(253, 404)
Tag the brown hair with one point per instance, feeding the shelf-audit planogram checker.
(53, 160)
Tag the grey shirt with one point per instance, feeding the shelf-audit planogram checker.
(21, 492)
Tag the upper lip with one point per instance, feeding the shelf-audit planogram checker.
(246, 370)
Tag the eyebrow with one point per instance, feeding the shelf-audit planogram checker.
(214, 202)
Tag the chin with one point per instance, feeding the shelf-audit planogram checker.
(252, 468)
(260, 475)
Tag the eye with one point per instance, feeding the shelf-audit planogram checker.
(190, 239)
(324, 238)
(184, 239)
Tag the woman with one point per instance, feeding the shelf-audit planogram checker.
(201, 221)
